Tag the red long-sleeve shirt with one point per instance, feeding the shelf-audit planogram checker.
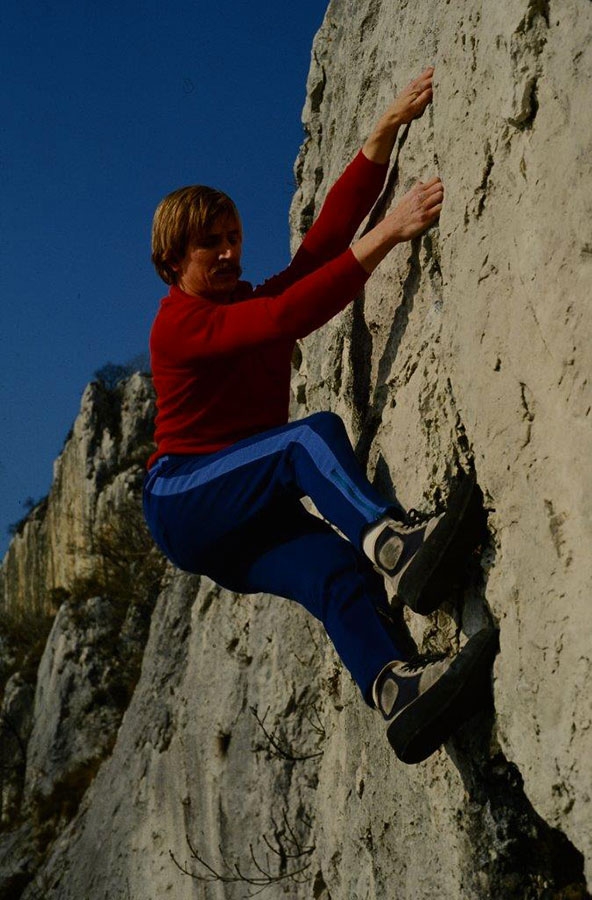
(221, 368)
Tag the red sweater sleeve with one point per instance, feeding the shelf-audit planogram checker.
(346, 206)
(190, 328)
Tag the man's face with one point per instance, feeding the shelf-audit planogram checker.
(211, 267)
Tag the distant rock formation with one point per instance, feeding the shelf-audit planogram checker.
(79, 583)
(100, 464)
(170, 739)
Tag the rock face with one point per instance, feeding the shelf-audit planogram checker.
(476, 339)
(66, 678)
(245, 758)
(99, 465)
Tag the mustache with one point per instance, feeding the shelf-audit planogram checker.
(229, 269)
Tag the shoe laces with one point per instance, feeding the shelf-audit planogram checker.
(423, 660)
(411, 521)
(414, 517)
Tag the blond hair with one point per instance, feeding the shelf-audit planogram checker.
(180, 219)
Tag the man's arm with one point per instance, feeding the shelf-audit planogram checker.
(421, 206)
(203, 330)
(347, 204)
(416, 211)
(351, 198)
(191, 329)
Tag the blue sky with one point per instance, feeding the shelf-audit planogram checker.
(106, 108)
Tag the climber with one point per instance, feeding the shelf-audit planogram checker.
(223, 489)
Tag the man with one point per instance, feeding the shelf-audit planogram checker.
(222, 495)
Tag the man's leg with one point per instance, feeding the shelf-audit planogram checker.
(311, 457)
(290, 553)
(279, 548)
(204, 498)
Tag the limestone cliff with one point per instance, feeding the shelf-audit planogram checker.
(243, 758)
(100, 463)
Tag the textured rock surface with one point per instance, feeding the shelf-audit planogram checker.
(244, 740)
(98, 466)
(64, 685)
(478, 336)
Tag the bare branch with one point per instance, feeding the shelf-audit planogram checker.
(282, 751)
(262, 877)
(317, 725)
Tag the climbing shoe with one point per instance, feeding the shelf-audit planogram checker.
(412, 552)
(424, 700)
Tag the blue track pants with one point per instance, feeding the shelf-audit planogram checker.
(236, 516)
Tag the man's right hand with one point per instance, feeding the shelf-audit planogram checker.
(408, 105)
(417, 209)
(414, 213)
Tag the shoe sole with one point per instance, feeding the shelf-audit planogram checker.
(419, 586)
(429, 721)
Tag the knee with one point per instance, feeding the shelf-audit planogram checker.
(326, 423)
